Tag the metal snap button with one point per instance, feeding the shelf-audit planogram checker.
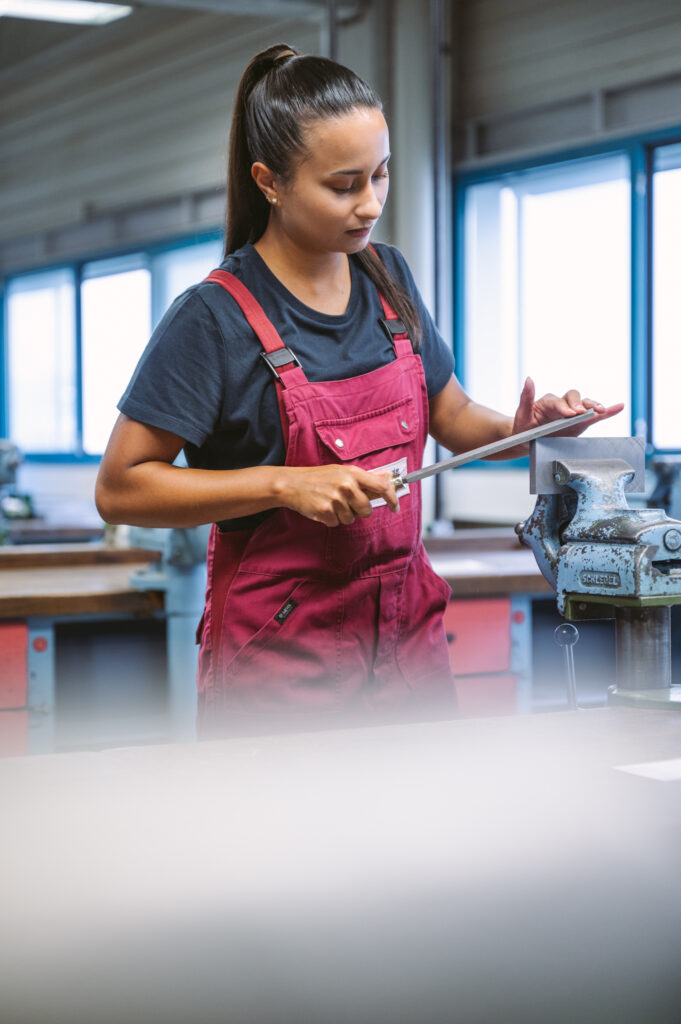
(404, 425)
(338, 443)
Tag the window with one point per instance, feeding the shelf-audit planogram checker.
(547, 288)
(666, 298)
(115, 325)
(177, 269)
(73, 338)
(40, 389)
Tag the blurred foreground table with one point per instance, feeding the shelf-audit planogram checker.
(505, 869)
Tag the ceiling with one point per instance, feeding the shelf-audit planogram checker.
(22, 39)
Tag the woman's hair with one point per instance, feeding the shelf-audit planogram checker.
(280, 94)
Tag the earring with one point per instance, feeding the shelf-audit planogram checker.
(273, 199)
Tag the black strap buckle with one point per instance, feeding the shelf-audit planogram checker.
(280, 357)
(393, 327)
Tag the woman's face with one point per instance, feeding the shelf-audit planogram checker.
(337, 189)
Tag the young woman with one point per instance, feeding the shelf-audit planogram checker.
(295, 378)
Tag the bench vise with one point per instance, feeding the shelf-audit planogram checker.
(606, 560)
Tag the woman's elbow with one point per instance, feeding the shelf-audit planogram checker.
(107, 502)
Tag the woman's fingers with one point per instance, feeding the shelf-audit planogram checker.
(573, 400)
(335, 495)
(527, 396)
(550, 407)
(602, 413)
(346, 517)
(379, 485)
(589, 403)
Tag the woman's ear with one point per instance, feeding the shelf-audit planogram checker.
(265, 181)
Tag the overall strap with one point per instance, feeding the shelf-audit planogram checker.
(393, 326)
(281, 361)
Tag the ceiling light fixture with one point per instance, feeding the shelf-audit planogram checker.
(79, 12)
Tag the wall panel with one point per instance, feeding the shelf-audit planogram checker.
(615, 64)
(136, 114)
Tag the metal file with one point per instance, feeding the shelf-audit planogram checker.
(486, 450)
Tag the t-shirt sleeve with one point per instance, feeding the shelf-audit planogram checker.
(436, 355)
(179, 382)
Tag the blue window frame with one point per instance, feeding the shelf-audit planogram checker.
(72, 336)
(665, 333)
(573, 255)
(40, 409)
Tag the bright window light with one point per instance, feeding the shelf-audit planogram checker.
(175, 270)
(666, 303)
(79, 12)
(116, 323)
(547, 284)
(41, 361)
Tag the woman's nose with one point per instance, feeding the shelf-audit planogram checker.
(370, 205)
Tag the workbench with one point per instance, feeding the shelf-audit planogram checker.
(40, 586)
(73, 579)
(488, 622)
(494, 582)
(503, 869)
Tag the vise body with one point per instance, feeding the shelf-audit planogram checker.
(590, 545)
(603, 558)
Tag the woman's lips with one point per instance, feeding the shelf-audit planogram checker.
(359, 232)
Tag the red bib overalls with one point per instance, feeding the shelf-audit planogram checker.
(303, 620)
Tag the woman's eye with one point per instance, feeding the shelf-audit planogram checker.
(352, 188)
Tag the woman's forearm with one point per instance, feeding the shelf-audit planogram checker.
(139, 485)
(158, 494)
(460, 424)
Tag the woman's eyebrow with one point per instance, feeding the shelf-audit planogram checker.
(360, 170)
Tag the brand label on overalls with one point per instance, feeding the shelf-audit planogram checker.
(400, 467)
(286, 610)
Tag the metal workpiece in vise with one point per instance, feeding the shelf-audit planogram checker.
(607, 560)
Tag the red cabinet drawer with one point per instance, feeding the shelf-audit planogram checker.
(13, 664)
(480, 632)
(14, 726)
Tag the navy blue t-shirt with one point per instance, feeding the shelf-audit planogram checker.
(201, 376)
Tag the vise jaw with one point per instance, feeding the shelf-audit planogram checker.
(597, 552)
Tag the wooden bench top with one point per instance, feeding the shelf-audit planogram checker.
(74, 580)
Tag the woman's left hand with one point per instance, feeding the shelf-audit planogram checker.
(532, 412)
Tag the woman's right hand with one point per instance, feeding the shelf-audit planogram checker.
(138, 484)
(335, 495)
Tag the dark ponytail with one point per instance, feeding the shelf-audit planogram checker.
(279, 95)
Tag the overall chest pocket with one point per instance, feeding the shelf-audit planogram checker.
(365, 439)
(377, 438)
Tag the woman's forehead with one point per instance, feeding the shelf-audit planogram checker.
(348, 142)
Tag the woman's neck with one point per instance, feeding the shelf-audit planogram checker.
(321, 281)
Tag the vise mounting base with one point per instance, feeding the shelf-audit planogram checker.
(579, 607)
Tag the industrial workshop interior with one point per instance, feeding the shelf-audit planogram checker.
(266, 755)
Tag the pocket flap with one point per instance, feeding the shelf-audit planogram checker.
(351, 438)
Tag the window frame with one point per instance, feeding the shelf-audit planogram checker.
(639, 150)
(146, 254)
